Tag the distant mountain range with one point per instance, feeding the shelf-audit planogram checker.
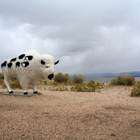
(132, 73)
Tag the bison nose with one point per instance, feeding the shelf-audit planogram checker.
(50, 76)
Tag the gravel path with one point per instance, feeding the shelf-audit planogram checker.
(108, 114)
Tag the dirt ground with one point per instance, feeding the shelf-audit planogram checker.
(108, 114)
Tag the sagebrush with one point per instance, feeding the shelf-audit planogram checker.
(136, 89)
(86, 87)
(123, 80)
(61, 78)
(77, 78)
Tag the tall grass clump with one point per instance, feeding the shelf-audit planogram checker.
(136, 89)
(14, 83)
(1, 76)
(2, 84)
(43, 82)
(59, 88)
(85, 87)
(123, 80)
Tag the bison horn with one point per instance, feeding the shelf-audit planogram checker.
(56, 62)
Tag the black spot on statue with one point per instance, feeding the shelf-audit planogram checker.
(9, 65)
(56, 62)
(28, 57)
(17, 64)
(4, 64)
(12, 60)
(25, 64)
(21, 56)
(42, 62)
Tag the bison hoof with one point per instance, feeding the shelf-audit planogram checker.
(25, 93)
(35, 92)
(10, 91)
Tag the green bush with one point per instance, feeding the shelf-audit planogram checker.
(123, 80)
(77, 78)
(136, 89)
(61, 78)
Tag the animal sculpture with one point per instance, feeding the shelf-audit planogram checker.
(29, 68)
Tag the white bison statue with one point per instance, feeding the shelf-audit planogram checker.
(29, 68)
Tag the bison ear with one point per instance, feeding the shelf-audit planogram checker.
(56, 62)
(42, 62)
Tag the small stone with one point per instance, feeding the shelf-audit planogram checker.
(113, 135)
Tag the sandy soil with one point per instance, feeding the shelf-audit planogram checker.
(110, 114)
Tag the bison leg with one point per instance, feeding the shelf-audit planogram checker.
(35, 89)
(8, 86)
(25, 90)
(24, 87)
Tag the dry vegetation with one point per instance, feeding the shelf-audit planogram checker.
(59, 112)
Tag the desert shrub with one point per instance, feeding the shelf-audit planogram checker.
(129, 80)
(136, 89)
(58, 88)
(2, 84)
(85, 87)
(61, 78)
(118, 80)
(14, 83)
(1, 76)
(123, 80)
(78, 87)
(43, 82)
(77, 78)
(54, 83)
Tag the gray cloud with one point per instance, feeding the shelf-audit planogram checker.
(86, 36)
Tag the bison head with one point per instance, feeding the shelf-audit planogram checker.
(47, 66)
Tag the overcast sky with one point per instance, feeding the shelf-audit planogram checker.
(87, 36)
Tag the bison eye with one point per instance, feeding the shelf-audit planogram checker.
(42, 62)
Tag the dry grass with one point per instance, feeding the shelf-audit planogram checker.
(109, 115)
